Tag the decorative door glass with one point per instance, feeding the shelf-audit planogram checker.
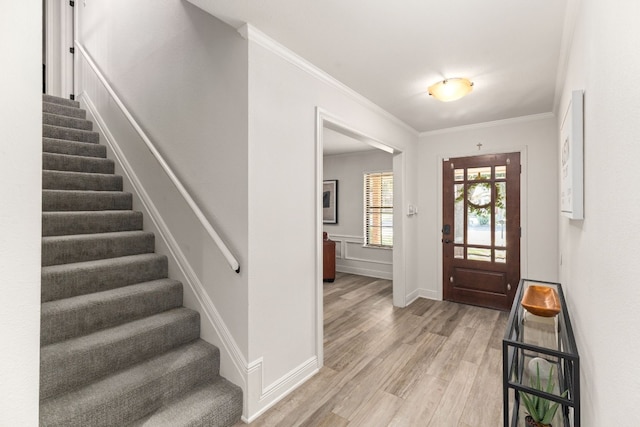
(480, 213)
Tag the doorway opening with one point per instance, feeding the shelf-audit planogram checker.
(350, 156)
(481, 229)
(58, 34)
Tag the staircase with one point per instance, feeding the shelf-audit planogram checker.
(117, 347)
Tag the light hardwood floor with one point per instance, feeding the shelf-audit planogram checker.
(432, 363)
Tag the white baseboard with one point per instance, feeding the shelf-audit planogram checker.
(261, 398)
(378, 274)
(422, 293)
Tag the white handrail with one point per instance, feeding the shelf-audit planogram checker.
(233, 262)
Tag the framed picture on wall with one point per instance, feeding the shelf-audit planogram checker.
(330, 201)
(572, 158)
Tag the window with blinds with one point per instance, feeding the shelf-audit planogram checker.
(378, 209)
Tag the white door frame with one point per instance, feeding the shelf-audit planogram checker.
(325, 119)
(59, 37)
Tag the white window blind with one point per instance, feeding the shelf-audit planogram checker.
(378, 209)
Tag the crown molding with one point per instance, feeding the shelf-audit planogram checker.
(495, 123)
(252, 34)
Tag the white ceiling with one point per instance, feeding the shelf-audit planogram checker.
(390, 52)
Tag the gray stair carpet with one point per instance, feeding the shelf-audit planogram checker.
(117, 346)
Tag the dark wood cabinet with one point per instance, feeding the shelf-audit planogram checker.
(328, 259)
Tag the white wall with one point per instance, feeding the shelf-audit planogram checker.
(599, 254)
(351, 256)
(283, 192)
(535, 137)
(183, 76)
(21, 212)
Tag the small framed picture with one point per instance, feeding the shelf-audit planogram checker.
(330, 201)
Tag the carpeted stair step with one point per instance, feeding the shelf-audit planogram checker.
(59, 132)
(216, 403)
(82, 315)
(64, 180)
(87, 247)
(64, 223)
(62, 146)
(133, 393)
(65, 162)
(70, 280)
(66, 121)
(73, 363)
(77, 200)
(60, 101)
(63, 110)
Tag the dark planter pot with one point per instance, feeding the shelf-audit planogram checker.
(530, 423)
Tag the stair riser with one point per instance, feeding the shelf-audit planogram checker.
(64, 367)
(60, 146)
(218, 403)
(57, 132)
(63, 162)
(64, 319)
(158, 385)
(60, 101)
(63, 250)
(53, 200)
(65, 281)
(57, 180)
(62, 110)
(67, 122)
(65, 223)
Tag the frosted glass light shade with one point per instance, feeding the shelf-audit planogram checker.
(450, 89)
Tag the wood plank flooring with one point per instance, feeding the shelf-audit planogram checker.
(433, 363)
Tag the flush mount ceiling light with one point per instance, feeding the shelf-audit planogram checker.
(450, 89)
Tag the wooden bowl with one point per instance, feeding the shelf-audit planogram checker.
(541, 300)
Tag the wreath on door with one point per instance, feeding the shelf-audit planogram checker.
(478, 196)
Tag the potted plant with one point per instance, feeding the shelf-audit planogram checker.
(540, 411)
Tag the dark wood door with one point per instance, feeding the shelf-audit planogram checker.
(481, 229)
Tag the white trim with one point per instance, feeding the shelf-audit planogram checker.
(524, 207)
(276, 391)
(422, 293)
(251, 33)
(233, 262)
(484, 125)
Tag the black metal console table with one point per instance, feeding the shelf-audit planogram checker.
(550, 338)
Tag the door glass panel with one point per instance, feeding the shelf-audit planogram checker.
(476, 174)
(501, 255)
(458, 175)
(479, 254)
(501, 214)
(479, 214)
(458, 214)
(501, 172)
(458, 252)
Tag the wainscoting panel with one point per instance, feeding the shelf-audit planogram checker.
(355, 258)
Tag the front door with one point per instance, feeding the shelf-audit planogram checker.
(481, 229)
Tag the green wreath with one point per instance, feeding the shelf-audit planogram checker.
(476, 208)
